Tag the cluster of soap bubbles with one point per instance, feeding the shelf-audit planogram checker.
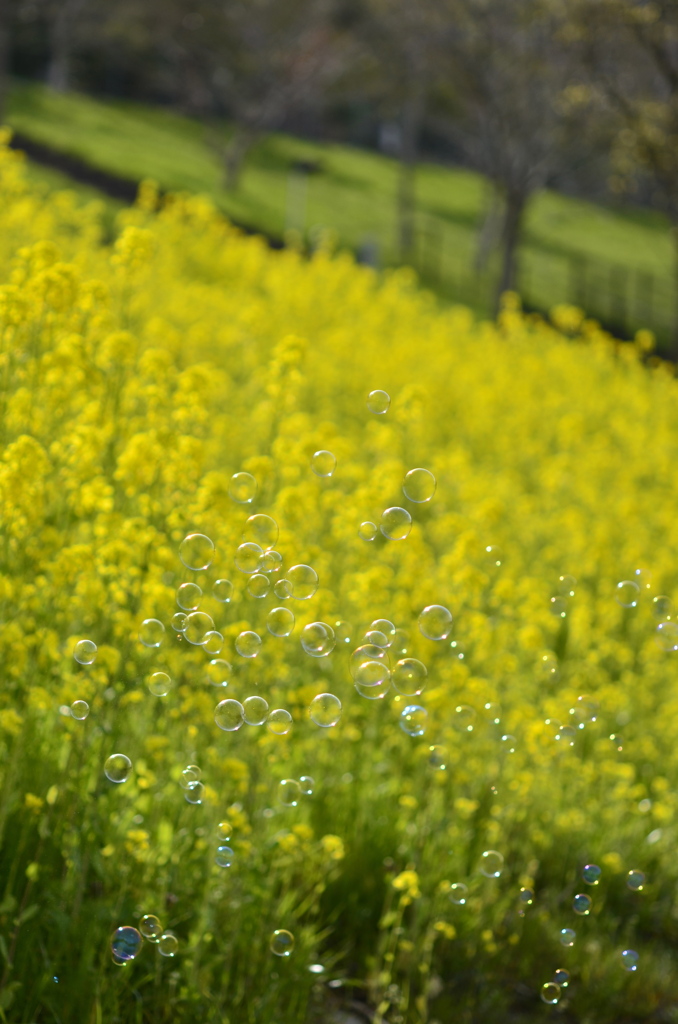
(127, 941)
(193, 788)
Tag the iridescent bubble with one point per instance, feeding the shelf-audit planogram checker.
(413, 719)
(584, 711)
(635, 880)
(151, 632)
(117, 768)
(229, 714)
(550, 993)
(378, 402)
(409, 677)
(224, 856)
(282, 589)
(438, 757)
(303, 582)
(279, 721)
(435, 622)
(223, 591)
(323, 463)
(218, 672)
(248, 557)
(566, 585)
(159, 684)
(80, 710)
(255, 710)
(126, 943)
(306, 784)
(196, 551)
(419, 485)
(280, 621)
(198, 625)
(282, 942)
(258, 585)
(168, 944)
(395, 523)
(367, 530)
(666, 636)
(289, 792)
(213, 642)
(581, 904)
(242, 488)
(367, 652)
(271, 562)
(629, 959)
(150, 927)
(188, 596)
(224, 829)
(376, 637)
(567, 936)
(317, 639)
(178, 622)
(85, 652)
(491, 864)
(325, 710)
(662, 607)
(194, 793)
(627, 593)
(464, 718)
(263, 530)
(458, 893)
(386, 627)
(372, 679)
(248, 644)
(591, 874)
(561, 977)
(189, 776)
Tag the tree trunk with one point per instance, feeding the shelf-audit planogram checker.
(515, 208)
(4, 57)
(242, 142)
(412, 116)
(490, 231)
(61, 37)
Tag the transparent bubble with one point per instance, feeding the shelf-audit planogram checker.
(584, 711)
(581, 904)
(464, 718)
(626, 593)
(279, 721)
(629, 959)
(323, 463)
(317, 639)
(159, 684)
(126, 943)
(508, 743)
(662, 607)
(438, 757)
(325, 710)
(242, 488)
(248, 557)
(280, 621)
(150, 927)
(561, 977)
(255, 710)
(271, 562)
(178, 622)
(372, 679)
(491, 864)
(419, 485)
(492, 556)
(282, 589)
(224, 830)
(188, 596)
(435, 622)
(189, 776)
(194, 793)
(343, 632)
(80, 710)
(378, 402)
(395, 523)
(218, 672)
(303, 582)
(306, 784)
(85, 652)
(198, 625)
(367, 530)
(386, 627)
(409, 677)
(566, 585)
(376, 637)
(151, 633)
(117, 768)
(258, 585)
(567, 936)
(213, 641)
(367, 652)
(282, 942)
(229, 714)
(566, 735)
(547, 665)
(248, 644)
(224, 856)
(558, 607)
(492, 712)
(457, 650)
(526, 897)
(196, 551)
(643, 577)
(168, 944)
(413, 719)
(666, 636)
(458, 893)
(223, 591)
(635, 880)
(617, 742)
(400, 644)
(289, 792)
(263, 530)
(591, 874)
(550, 993)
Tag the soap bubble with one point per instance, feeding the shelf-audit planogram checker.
(343, 632)
(376, 637)
(223, 591)
(386, 627)
(419, 485)
(378, 402)
(666, 636)
(413, 720)
(550, 993)
(248, 644)
(491, 864)
(372, 679)
(258, 585)
(198, 625)
(85, 652)
(317, 639)
(492, 712)
(151, 633)
(591, 874)
(323, 463)
(224, 856)
(279, 721)
(464, 718)
(367, 530)
(255, 710)
(159, 684)
(325, 710)
(306, 784)
(194, 792)
(558, 607)
(229, 714)
(643, 578)
(581, 904)
(584, 711)
(629, 959)
(289, 792)
(400, 644)
(189, 775)
(218, 672)
(395, 523)
(213, 642)
(196, 551)
(561, 977)
(508, 743)
(303, 582)
(566, 735)
(525, 899)
(627, 593)
(117, 768)
(662, 607)
(242, 488)
(567, 936)
(178, 622)
(367, 652)
(409, 677)
(635, 880)
(271, 562)
(566, 585)
(80, 710)
(282, 942)
(458, 893)
(224, 829)
(492, 556)
(263, 530)
(150, 927)
(280, 621)
(282, 589)
(168, 944)
(188, 596)
(435, 622)
(248, 557)
(126, 943)
(438, 757)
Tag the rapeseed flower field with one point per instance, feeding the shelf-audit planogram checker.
(287, 731)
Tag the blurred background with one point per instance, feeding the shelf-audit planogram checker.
(490, 144)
